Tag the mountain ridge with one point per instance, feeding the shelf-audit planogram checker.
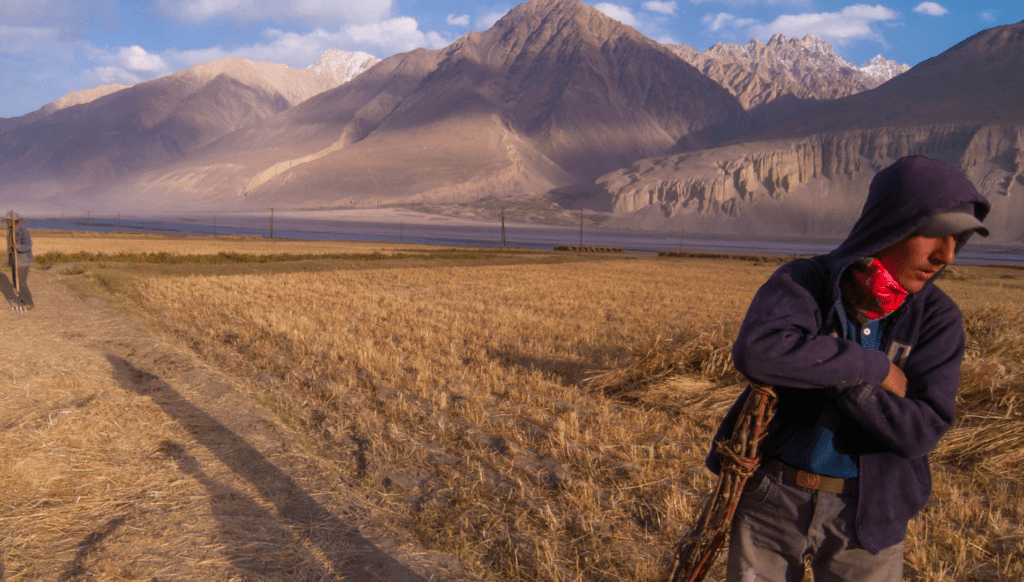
(551, 96)
(759, 74)
(102, 135)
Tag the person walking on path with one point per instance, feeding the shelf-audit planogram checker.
(23, 247)
(864, 352)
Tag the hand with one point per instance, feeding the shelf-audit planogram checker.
(895, 381)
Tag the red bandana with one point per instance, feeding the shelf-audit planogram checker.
(884, 294)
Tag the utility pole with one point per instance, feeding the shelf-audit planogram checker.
(581, 230)
(271, 223)
(502, 228)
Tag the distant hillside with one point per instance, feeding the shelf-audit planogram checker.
(101, 134)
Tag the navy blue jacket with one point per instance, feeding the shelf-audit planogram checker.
(792, 338)
(24, 242)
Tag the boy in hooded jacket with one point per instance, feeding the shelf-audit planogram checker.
(23, 244)
(864, 353)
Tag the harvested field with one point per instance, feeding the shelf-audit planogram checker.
(475, 416)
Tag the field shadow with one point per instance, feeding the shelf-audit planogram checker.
(243, 523)
(350, 555)
(7, 288)
(76, 569)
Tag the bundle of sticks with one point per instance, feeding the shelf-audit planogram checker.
(695, 554)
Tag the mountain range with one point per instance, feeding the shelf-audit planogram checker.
(555, 104)
(808, 68)
(806, 174)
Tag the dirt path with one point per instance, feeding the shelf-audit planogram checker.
(127, 458)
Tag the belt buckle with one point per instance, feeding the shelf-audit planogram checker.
(808, 480)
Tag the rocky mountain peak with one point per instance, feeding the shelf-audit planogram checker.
(341, 66)
(552, 20)
(805, 68)
(588, 90)
(881, 69)
(546, 8)
(816, 50)
(815, 45)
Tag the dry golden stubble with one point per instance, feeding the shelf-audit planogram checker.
(85, 491)
(113, 243)
(498, 354)
(546, 477)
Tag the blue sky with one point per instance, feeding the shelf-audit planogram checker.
(51, 47)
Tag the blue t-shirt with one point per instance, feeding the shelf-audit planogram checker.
(813, 448)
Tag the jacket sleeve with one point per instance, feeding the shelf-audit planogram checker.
(779, 342)
(24, 240)
(912, 426)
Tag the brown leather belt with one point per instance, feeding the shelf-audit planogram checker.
(811, 480)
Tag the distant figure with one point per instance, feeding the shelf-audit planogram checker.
(864, 352)
(23, 245)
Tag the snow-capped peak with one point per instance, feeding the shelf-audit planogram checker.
(880, 69)
(342, 66)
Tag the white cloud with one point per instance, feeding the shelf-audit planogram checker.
(125, 65)
(106, 75)
(488, 19)
(931, 9)
(301, 50)
(853, 22)
(458, 20)
(722, 20)
(135, 58)
(662, 7)
(48, 53)
(394, 35)
(990, 16)
(319, 11)
(620, 13)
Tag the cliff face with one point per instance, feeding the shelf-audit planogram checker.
(727, 181)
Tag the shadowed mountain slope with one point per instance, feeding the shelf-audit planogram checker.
(555, 94)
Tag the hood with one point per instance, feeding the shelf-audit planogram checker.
(901, 199)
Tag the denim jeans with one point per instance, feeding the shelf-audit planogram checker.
(778, 523)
